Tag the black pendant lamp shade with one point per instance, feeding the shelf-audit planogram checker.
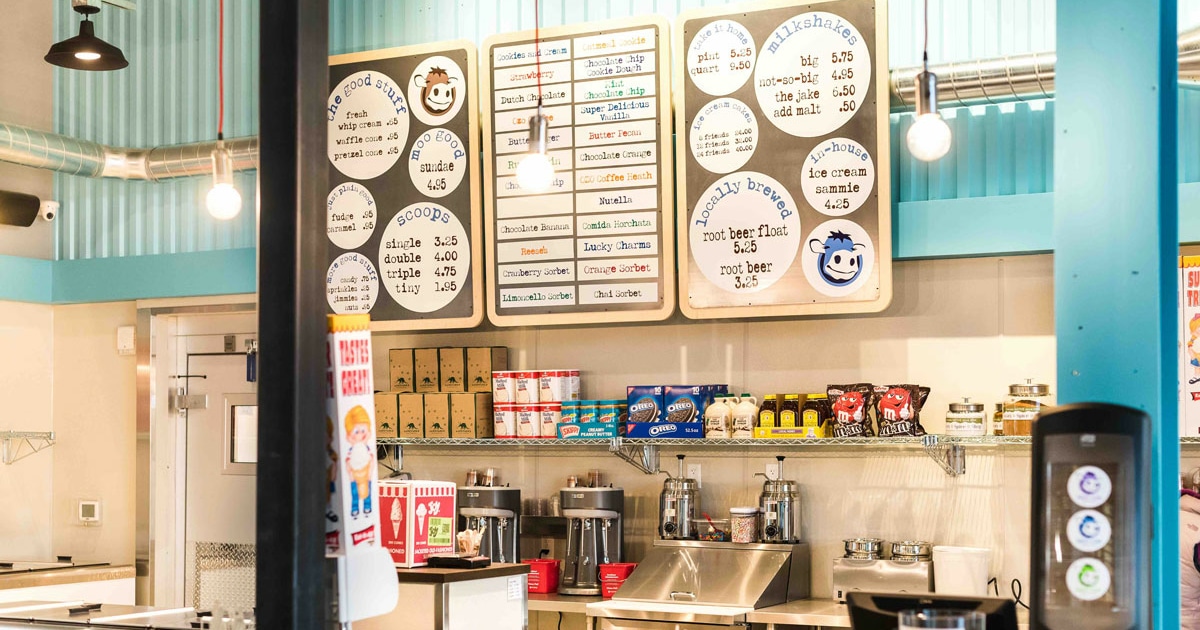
(85, 51)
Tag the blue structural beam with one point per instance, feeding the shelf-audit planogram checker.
(223, 272)
(1116, 236)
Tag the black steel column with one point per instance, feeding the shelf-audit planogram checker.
(292, 486)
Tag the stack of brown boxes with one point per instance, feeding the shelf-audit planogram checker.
(439, 392)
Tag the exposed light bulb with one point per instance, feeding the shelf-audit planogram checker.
(929, 137)
(87, 56)
(224, 201)
(535, 173)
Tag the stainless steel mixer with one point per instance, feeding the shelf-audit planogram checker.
(678, 504)
(595, 536)
(779, 502)
(495, 511)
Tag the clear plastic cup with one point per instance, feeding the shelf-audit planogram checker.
(942, 619)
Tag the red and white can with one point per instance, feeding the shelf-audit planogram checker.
(526, 387)
(551, 416)
(504, 388)
(504, 420)
(573, 385)
(529, 421)
(554, 386)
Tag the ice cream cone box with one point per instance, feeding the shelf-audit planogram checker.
(481, 362)
(401, 369)
(385, 415)
(417, 519)
(426, 370)
(437, 415)
(452, 369)
(411, 416)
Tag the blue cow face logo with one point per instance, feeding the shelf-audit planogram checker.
(838, 259)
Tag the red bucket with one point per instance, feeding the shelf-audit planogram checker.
(617, 571)
(543, 575)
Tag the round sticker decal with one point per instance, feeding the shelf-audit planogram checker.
(367, 124)
(838, 258)
(1089, 487)
(424, 257)
(351, 284)
(723, 135)
(720, 57)
(437, 90)
(349, 215)
(838, 177)
(813, 73)
(1088, 530)
(1088, 579)
(744, 232)
(437, 162)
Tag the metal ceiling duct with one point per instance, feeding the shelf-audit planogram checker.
(1010, 79)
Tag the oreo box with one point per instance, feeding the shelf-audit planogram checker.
(645, 403)
(685, 403)
(688, 430)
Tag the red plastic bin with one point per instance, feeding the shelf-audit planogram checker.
(609, 588)
(617, 571)
(543, 575)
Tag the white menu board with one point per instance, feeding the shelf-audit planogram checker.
(781, 116)
(402, 213)
(598, 246)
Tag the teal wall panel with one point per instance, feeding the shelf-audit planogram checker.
(226, 272)
(26, 279)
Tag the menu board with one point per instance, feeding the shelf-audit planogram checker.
(782, 131)
(403, 205)
(598, 246)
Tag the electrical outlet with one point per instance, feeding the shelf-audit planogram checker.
(693, 472)
(773, 471)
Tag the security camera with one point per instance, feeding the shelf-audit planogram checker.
(48, 210)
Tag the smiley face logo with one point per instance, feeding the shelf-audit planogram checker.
(838, 258)
(438, 88)
(438, 91)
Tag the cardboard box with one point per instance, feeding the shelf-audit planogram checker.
(645, 403)
(418, 519)
(411, 415)
(425, 370)
(471, 415)
(437, 415)
(681, 430)
(685, 403)
(481, 362)
(401, 370)
(1189, 376)
(453, 369)
(386, 415)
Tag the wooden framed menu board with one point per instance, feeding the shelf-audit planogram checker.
(403, 215)
(782, 131)
(598, 246)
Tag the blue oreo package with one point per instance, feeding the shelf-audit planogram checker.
(685, 403)
(645, 403)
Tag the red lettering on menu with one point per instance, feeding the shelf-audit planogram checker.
(1193, 298)
(1193, 278)
(355, 383)
(354, 352)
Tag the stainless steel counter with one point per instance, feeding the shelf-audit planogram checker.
(553, 602)
(822, 613)
(51, 576)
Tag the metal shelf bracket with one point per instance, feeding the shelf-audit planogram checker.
(951, 457)
(643, 457)
(17, 445)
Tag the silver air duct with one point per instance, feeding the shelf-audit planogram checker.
(55, 152)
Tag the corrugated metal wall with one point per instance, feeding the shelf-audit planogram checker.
(167, 95)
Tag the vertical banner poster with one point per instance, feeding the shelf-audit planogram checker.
(403, 212)
(598, 246)
(781, 121)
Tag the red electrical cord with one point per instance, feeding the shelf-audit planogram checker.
(537, 45)
(221, 71)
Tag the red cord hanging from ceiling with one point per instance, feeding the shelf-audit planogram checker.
(537, 44)
(221, 71)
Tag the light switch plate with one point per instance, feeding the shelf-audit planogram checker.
(126, 344)
(693, 472)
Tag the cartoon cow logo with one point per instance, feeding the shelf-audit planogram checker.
(438, 90)
(839, 258)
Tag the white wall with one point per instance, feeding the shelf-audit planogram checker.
(27, 98)
(963, 327)
(26, 378)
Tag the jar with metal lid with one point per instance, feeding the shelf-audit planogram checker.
(966, 419)
(1025, 401)
(743, 523)
(912, 551)
(863, 548)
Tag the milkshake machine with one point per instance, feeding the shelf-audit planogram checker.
(495, 511)
(594, 536)
(1090, 560)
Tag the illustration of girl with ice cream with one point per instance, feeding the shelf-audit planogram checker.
(1193, 348)
(360, 459)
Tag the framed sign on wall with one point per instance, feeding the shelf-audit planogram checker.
(783, 157)
(598, 246)
(403, 211)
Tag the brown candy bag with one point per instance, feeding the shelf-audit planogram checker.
(898, 409)
(849, 405)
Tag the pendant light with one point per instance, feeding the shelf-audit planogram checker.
(929, 136)
(85, 51)
(223, 200)
(535, 173)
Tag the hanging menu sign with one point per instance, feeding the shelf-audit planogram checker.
(403, 206)
(783, 155)
(598, 245)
